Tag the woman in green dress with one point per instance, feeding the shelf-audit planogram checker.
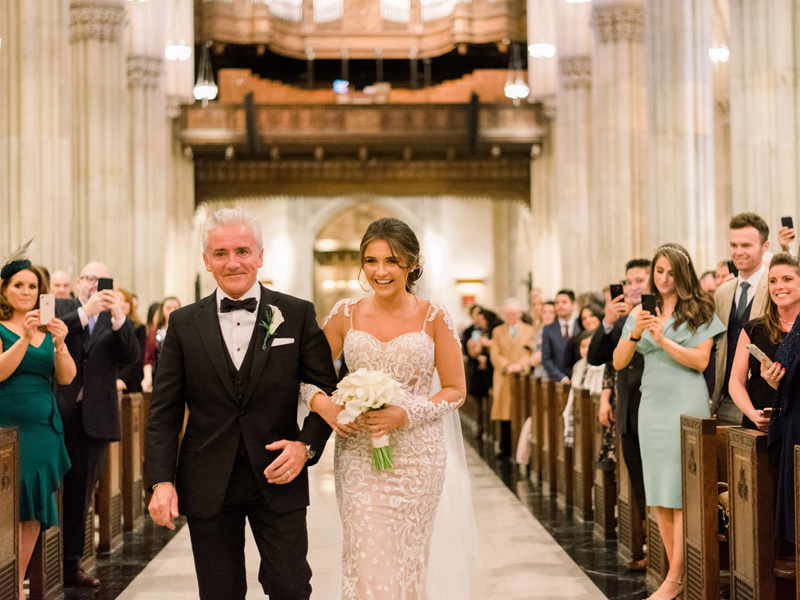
(31, 356)
(676, 343)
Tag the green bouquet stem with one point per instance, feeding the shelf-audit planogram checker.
(382, 458)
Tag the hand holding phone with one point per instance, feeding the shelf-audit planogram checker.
(787, 222)
(759, 354)
(616, 291)
(732, 269)
(47, 308)
(649, 303)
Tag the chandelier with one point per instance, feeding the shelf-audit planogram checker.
(718, 53)
(515, 87)
(180, 51)
(542, 50)
(205, 89)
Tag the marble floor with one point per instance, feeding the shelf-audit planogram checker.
(519, 560)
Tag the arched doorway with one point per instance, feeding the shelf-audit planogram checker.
(336, 255)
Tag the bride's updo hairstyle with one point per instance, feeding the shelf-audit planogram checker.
(403, 243)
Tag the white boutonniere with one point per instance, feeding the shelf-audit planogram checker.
(271, 321)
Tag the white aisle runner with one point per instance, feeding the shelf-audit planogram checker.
(518, 560)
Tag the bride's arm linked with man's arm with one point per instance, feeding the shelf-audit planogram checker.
(449, 365)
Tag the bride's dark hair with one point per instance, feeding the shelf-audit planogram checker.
(402, 242)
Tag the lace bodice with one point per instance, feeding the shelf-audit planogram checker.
(387, 516)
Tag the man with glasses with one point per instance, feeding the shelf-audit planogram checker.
(100, 339)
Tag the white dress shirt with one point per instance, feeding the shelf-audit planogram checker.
(238, 325)
(753, 280)
(569, 323)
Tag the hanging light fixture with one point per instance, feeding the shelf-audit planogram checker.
(515, 87)
(180, 51)
(205, 89)
(719, 52)
(542, 50)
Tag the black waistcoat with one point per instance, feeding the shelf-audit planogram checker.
(241, 377)
(734, 329)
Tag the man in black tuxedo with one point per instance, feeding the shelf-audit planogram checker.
(235, 359)
(555, 336)
(100, 339)
(629, 379)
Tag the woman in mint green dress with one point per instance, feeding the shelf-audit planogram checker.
(676, 344)
(29, 360)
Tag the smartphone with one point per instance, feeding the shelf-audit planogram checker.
(767, 411)
(787, 222)
(649, 303)
(616, 290)
(759, 354)
(732, 269)
(105, 283)
(47, 308)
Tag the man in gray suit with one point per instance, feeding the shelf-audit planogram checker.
(738, 301)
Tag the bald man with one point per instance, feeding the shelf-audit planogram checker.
(100, 339)
(61, 285)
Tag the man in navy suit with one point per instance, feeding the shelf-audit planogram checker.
(100, 339)
(555, 336)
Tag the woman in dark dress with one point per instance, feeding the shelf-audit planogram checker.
(751, 392)
(31, 357)
(784, 427)
(131, 375)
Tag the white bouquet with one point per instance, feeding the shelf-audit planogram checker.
(364, 390)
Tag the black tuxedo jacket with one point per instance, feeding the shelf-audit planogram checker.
(629, 379)
(193, 373)
(97, 358)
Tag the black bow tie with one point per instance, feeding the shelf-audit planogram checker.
(227, 305)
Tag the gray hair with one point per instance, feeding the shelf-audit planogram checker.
(225, 217)
(513, 304)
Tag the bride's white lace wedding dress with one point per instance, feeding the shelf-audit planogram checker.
(388, 516)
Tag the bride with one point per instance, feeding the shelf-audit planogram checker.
(388, 516)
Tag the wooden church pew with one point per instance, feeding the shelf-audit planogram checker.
(752, 528)
(549, 451)
(132, 459)
(630, 520)
(46, 569)
(564, 454)
(699, 473)
(9, 512)
(109, 499)
(537, 429)
(605, 487)
(583, 456)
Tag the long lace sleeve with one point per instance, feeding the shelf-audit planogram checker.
(307, 392)
(425, 411)
(450, 367)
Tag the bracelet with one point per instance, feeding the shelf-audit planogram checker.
(63, 350)
(633, 339)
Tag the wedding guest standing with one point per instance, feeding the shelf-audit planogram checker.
(100, 339)
(676, 343)
(29, 361)
(511, 353)
(751, 391)
(131, 375)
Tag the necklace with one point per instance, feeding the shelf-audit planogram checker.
(787, 322)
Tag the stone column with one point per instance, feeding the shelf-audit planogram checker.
(103, 217)
(181, 262)
(619, 161)
(574, 151)
(35, 152)
(543, 81)
(764, 107)
(150, 132)
(504, 234)
(680, 125)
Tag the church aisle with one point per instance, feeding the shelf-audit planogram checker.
(519, 559)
